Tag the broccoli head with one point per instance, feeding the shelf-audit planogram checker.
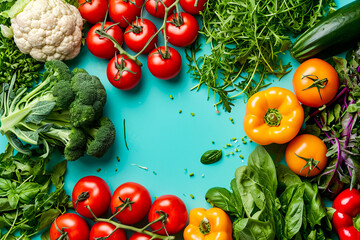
(100, 138)
(76, 145)
(57, 70)
(64, 93)
(90, 98)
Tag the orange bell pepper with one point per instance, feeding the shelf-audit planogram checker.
(212, 224)
(273, 116)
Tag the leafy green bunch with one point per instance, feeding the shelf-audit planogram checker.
(337, 124)
(26, 204)
(64, 110)
(269, 202)
(246, 39)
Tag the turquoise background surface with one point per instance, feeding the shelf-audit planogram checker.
(168, 143)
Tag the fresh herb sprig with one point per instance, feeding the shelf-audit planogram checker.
(246, 39)
(26, 204)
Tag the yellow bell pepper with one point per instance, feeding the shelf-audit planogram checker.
(212, 224)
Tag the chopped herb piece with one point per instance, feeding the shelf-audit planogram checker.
(117, 158)
(234, 139)
(192, 114)
(229, 145)
(125, 136)
(98, 170)
(192, 196)
(241, 156)
(171, 97)
(116, 169)
(191, 174)
(180, 111)
(213, 142)
(142, 167)
(154, 173)
(236, 150)
(244, 142)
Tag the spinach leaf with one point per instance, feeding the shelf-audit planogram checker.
(261, 162)
(223, 199)
(247, 181)
(295, 212)
(286, 177)
(238, 203)
(251, 229)
(315, 209)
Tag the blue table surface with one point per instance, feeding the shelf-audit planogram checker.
(168, 143)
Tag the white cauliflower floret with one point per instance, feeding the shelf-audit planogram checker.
(48, 30)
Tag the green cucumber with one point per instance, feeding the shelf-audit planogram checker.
(333, 34)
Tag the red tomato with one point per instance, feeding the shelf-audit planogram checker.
(104, 229)
(137, 194)
(181, 30)
(124, 11)
(91, 191)
(70, 224)
(189, 6)
(164, 68)
(140, 236)
(129, 77)
(137, 35)
(93, 11)
(103, 47)
(156, 8)
(176, 210)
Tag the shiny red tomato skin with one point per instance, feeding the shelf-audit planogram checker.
(119, 10)
(164, 68)
(140, 236)
(137, 194)
(73, 224)
(176, 210)
(128, 80)
(159, 12)
(189, 6)
(94, 11)
(185, 34)
(137, 41)
(99, 196)
(103, 47)
(104, 229)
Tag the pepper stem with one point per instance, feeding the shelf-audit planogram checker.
(356, 222)
(205, 226)
(310, 162)
(273, 117)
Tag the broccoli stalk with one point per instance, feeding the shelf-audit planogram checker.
(64, 109)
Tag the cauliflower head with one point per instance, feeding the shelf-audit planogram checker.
(48, 29)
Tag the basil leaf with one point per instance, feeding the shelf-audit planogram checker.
(57, 175)
(5, 186)
(27, 191)
(223, 199)
(13, 199)
(5, 205)
(45, 235)
(47, 218)
(211, 156)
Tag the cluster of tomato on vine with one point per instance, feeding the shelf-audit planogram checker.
(105, 38)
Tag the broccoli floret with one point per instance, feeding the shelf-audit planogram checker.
(90, 98)
(78, 70)
(74, 141)
(76, 145)
(64, 93)
(81, 115)
(57, 69)
(101, 138)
